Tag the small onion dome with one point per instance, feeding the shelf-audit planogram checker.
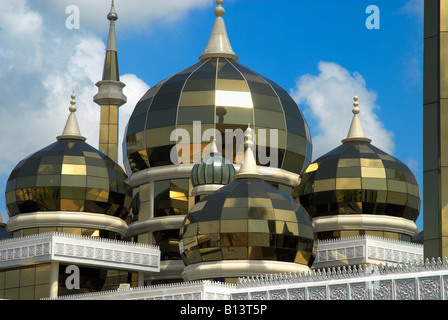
(358, 178)
(247, 219)
(68, 175)
(213, 169)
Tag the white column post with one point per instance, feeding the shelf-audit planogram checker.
(54, 279)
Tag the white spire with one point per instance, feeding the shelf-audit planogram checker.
(249, 167)
(356, 133)
(212, 150)
(214, 147)
(219, 44)
(71, 130)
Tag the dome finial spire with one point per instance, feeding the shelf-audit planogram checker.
(71, 130)
(356, 132)
(73, 107)
(355, 109)
(249, 167)
(219, 10)
(219, 44)
(214, 148)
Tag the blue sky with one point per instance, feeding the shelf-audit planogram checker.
(320, 51)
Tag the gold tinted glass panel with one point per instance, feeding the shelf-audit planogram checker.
(68, 176)
(265, 225)
(358, 178)
(345, 234)
(225, 95)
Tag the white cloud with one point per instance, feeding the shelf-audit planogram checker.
(414, 7)
(413, 165)
(413, 60)
(133, 14)
(22, 31)
(41, 62)
(328, 99)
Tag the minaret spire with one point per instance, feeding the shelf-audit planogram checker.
(71, 130)
(110, 93)
(111, 71)
(219, 44)
(356, 132)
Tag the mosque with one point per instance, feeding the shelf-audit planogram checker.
(218, 199)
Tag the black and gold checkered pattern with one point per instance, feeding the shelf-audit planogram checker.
(68, 175)
(358, 178)
(247, 219)
(222, 95)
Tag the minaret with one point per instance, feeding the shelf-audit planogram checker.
(435, 129)
(110, 95)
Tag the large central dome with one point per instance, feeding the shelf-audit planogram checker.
(221, 94)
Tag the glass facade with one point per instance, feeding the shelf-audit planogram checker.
(33, 282)
(247, 219)
(358, 178)
(172, 197)
(326, 235)
(108, 138)
(95, 279)
(25, 283)
(4, 233)
(88, 232)
(435, 129)
(222, 95)
(68, 175)
(168, 242)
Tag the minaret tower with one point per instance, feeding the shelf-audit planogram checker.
(110, 95)
(435, 129)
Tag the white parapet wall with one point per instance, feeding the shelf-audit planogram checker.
(410, 281)
(365, 250)
(195, 290)
(79, 250)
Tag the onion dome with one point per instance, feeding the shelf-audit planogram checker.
(68, 175)
(358, 178)
(222, 94)
(212, 172)
(247, 219)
